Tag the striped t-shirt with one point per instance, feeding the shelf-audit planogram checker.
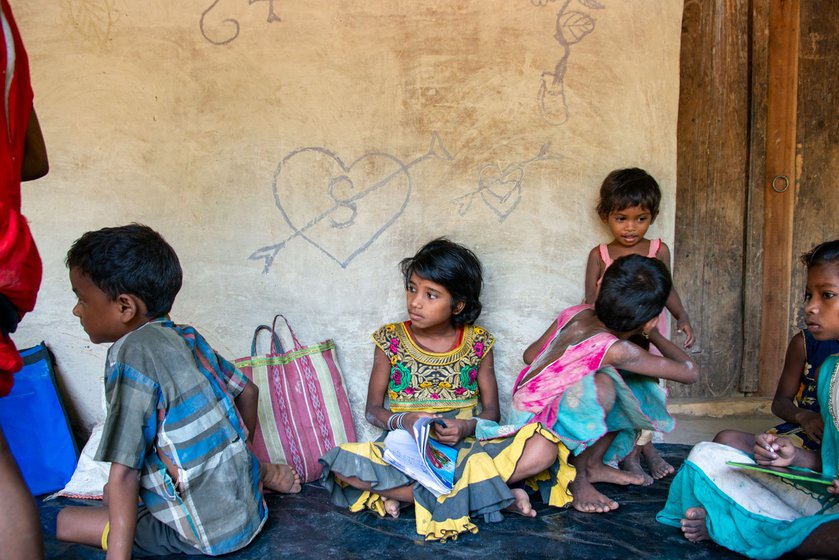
(170, 394)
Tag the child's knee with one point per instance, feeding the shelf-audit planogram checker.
(544, 450)
(737, 439)
(726, 437)
(605, 390)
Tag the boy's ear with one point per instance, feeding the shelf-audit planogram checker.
(130, 307)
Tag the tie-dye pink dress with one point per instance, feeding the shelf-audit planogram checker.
(563, 397)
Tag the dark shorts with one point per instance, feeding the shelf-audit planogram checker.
(155, 538)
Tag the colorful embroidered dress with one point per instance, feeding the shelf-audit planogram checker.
(563, 396)
(815, 351)
(428, 381)
(759, 515)
(446, 384)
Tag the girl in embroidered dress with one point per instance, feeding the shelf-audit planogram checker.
(629, 201)
(572, 384)
(439, 363)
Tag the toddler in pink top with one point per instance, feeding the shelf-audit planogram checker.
(629, 202)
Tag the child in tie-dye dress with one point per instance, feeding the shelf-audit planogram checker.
(573, 387)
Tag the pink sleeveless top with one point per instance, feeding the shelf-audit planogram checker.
(542, 393)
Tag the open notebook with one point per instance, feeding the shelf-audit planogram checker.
(424, 459)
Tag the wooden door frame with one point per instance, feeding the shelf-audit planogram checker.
(769, 231)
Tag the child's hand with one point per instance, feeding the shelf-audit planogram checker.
(685, 328)
(454, 431)
(835, 488)
(773, 450)
(812, 423)
(410, 419)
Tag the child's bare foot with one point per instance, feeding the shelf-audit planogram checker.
(604, 473)
(632, 464)
(693, 525)
(522, 504)
(280, 478)
(659, 468)
(587, 499)
(392, 507)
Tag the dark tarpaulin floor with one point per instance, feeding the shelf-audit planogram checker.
(305, 525)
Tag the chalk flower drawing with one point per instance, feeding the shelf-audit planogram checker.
(571, 27)
(501, 188)
(94, 20)
(338, 208)
(234, 30)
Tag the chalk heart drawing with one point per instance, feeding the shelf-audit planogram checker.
(500, 189)
(342, 208)
(359, 201)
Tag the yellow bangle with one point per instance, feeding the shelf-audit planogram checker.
(105, 533)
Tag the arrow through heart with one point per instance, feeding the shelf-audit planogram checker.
(341, 209)
(501, 188)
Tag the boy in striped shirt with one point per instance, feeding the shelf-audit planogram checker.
(176, 429)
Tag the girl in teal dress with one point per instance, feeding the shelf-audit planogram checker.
(439, 363)
(763, 515)
(796, 400)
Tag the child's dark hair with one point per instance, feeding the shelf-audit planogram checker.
(625, 188)
(454, 267)
(633, 291)
(823, 253)
(132, 259)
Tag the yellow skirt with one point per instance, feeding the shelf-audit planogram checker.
(480, 489)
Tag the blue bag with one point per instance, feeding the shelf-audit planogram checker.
(36, 427)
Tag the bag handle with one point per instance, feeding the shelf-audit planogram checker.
(276, 347)
(297, 345)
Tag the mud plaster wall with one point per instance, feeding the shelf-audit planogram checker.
(293, 152)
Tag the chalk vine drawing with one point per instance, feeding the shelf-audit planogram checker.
(571, 27)
(357, 203)
(94, 20)
(234, 30)
(501, 188)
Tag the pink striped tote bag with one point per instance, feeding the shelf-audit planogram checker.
(303, 406)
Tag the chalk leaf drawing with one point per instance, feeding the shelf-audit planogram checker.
(341, 209)
(499, 187)
(232, 25)
(93, 19)
(571, 27)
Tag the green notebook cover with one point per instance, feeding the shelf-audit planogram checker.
(786, 472)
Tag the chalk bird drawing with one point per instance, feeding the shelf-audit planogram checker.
(358, 202)
(571, 27)
(234, 30)
(501, 187)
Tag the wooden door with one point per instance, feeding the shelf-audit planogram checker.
(758, 170)
(807, 213)
(711, 194)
